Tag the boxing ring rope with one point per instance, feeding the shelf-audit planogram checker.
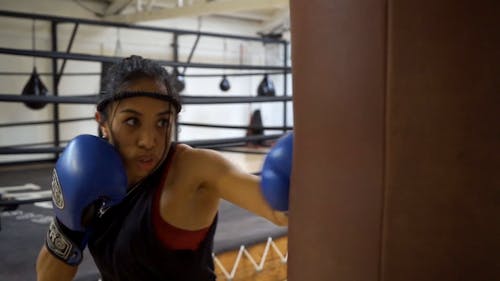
(234, 74)
(89, 99)
(113, 59)
(29, 123)
(239, 151)
(20, 73)
(194, 143)
(92, 99)
(235, 127)
(46, 122)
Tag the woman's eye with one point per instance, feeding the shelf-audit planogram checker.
(131, 121)
(162, 123)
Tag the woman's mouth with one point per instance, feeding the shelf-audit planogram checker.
(146, 163)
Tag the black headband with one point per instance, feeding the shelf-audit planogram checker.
(107, 98)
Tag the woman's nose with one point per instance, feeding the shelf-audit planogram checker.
(147, 139)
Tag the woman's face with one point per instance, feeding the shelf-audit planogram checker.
(139, 128)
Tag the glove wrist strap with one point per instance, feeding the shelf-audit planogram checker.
(61, 246)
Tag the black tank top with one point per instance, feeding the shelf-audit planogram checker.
(124, 245)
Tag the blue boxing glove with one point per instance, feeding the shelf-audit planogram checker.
(275, 175)
(89, 176)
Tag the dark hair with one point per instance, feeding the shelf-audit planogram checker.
(132, 68)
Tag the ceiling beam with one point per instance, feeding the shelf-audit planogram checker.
(201, 9)
(116, 6)
(280, 20)
(251, 16)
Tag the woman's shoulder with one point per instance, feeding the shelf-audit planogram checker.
(186, 155)
(186, 152)
(181, 148)
(195, 166)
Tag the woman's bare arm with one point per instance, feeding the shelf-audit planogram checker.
(50, 268)
(237, 186)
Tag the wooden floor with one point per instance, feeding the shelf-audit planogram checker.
(266, 261)
(251, 163)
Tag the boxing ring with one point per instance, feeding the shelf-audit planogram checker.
(246, 247)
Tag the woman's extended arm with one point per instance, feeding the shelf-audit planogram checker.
(50, 268)
(238, 187)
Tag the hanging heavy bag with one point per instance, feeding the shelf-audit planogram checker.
(255, 128)
(177, 81)
(35, 88)
(266, 88)
(224, 84)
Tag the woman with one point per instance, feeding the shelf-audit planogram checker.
(164, 228)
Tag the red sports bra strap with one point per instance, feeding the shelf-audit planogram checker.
(172, 237)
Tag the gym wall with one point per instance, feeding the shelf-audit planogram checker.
(17, 33)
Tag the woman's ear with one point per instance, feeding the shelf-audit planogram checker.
(102, 124)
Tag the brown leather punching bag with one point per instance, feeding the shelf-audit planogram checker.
(397, 140)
